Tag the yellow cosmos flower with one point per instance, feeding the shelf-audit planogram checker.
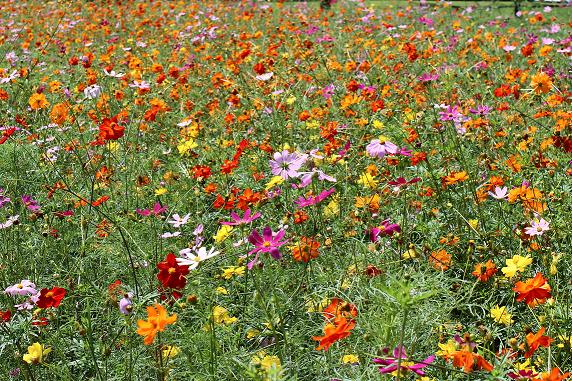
(378, 125)
(368, 180)
(222, 316)
(229, 272)
(276, 180)
(170, 351)
(222, 233)
(36, 353)
(501, 316)
(515, 264)
(350, 359)
(160, 191)
(186, 146)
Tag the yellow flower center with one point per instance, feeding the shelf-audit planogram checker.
(266, 244)
(171, 270)
(49, 294)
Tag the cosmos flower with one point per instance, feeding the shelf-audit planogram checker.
(50, 298)
(333, 332)
(269, 242)
(399, 364)
(156, 322)
(533, 291)
(171, 274)
(157, 210)
(245, 219)
(499, 193)
(286, 164)
(178, 221)
(384, 229)
(92, 92)
(126, 303)
(193, 260)
(24, 288)
(36, 353)
(302, 202)
(377, 148)
(537, 227)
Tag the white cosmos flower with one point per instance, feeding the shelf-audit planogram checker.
(178, 221)
(192, 260)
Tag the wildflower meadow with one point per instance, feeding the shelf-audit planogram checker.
(253, 190)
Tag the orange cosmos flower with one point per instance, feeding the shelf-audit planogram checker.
(110, 129)
(484, 271)
(59, 113)
(455, 177)
(338, 309)
(334, 332)
(440, 260)
(531, 198)
(470, 361)
(156, 322)
(535, 340)
(555, 375)
(541, 83)
(307, 249)
(533, 291)
(38, 101)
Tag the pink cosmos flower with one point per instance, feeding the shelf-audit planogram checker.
(3, 198)
(245, 219)
(286, 164)
(306, 178)
(269, 242)
(25, 287)
(376, 148)
(537, 227)
(451, 113)
(390, 364)
(125, 304)
(499, 193)
(30, 203)
(178, 221)
(427, 77)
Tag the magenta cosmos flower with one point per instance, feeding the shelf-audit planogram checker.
(302, 202)
(385, 228)
(390, 364)
(269, 242)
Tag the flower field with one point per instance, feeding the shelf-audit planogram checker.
(248, 190)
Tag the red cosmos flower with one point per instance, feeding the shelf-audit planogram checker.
(400, 182)
(51, 298)
(533, 291)
(5, 316)
(41, 322)
(171, 275)
(109, 129)
(6, 134)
